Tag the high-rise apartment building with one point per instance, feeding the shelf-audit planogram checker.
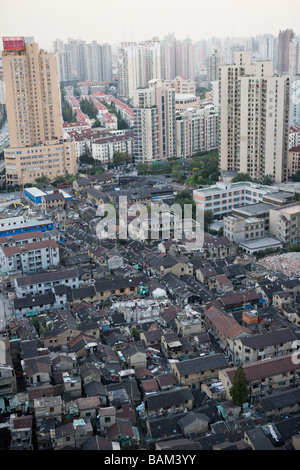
(213, 63)
(154, 127)
(197, 130)
(284, 40)
(254, 118)
(139, 63)
(34, 115)
(80, 61)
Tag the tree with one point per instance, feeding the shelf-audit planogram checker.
(208, 219)
(241, 177)
(42, 181)
(86, 159)
(67, 113)
(142, 168)
(121, 157)
(88, 107)
(296, 176)
(268, 180)
(239, 390)
(97, 123)
(97, 170)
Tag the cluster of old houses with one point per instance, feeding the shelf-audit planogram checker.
(110, 345)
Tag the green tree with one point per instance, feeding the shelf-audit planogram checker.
(142, 168)
(42, 181)
(88, 107)
(67, 113)
(268, 180)
(135, 332)
(87, 159)
(241, 177)
(296, 176)
(121, 157)
(297, 196)
(239, 390)
(96, 170)
(96, 123)
(208, 219)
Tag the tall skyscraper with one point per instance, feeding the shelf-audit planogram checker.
(254, 118)
(284, 40)
(34, 114)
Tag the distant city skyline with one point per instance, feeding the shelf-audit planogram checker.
(137, 21)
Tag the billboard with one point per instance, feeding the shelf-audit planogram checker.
(14, 43)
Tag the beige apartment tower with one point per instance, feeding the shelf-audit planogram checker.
(37, 147)
(254, 118)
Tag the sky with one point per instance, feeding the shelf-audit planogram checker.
(137, 20)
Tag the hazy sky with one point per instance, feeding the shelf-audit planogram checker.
(135, 20)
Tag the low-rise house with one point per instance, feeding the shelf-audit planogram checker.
(100, 443)
(44, 433)
(34, 304)
(72, 388)
(83, 431)
(81, 184)
(257, 439)
(96, 389)
(82, 294)
(48, 407)
(193, 422)
(123, 432)
(174, 445)
(88, 408)
(222, 284)
(37, 371)
(281, 403)
(238, 299)
(21, 432)
(292, 313)
(60, 328)
(8, 381)
(265, 344)
(149, 386)
(174, 400)
(63, 436)
(89, 372)
(265, 377)
(162, 265)
(189, 322)
(96, 197)
(106, 419)
(151, 338)
(171, 346)
(30, 257)
(135, 356)
(166, 381)
(283, 299)
(42, 283)
(53, 200)
(63, 363)
(193, 372)
(119, 286)
(225, 327)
